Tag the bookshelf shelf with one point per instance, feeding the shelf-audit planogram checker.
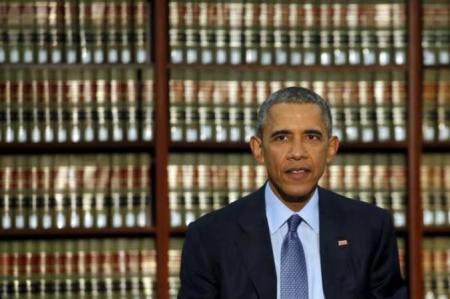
(431, 231)
(180, 231)
(77, 233)
(91, 147)
(436, 146)
(267, 68)
(240, 147)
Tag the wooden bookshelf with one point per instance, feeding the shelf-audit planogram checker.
(161, 147)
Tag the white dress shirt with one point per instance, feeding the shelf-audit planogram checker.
(308, 231)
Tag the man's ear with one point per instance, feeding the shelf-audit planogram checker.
(256, 147)
(333, 146)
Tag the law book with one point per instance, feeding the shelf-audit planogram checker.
(87, 106)
(367, 107)
(381, 182)
(13, 27)
(98, 19)
(124, 31)
(191, 106)
(113, 25)
(144, 192)
(426, 173)
(333, 91)
(398, 194)
(55, 43)
(27, 24)
(69, 29)
(63, 204)
(399, 103)
(85, 172)
(115, 92)
(351, 109)
(142, 47)
(430, 88)
(383, 102)
(443, 105)
(176, 110)
(131, 190)
(174, 173)
(58, 92)
(116, 196)
(236, 114)
(205, 109)
(73, 105)
(46, 123)
(174, 262)
(85, 33)
(147, 107)
(310, 46)
(364, 177)
(102, 191)
(35, 99)
(102, 106)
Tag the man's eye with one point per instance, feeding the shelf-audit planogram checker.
(281, 137)
(313, 137)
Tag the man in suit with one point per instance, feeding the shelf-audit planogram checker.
(292, 239)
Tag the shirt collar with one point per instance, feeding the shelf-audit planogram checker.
(277, 213)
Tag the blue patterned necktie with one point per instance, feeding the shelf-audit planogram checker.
(293, 276)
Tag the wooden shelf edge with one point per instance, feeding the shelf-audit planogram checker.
(92, 147)
(244, 147)
(431, 231)
(180, 231)
(436, 146)
(76, 233)
(256, 67)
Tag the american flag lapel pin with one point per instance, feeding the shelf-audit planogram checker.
(342, 242)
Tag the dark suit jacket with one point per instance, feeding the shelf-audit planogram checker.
(228, 253)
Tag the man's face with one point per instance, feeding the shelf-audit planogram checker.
(295, 148)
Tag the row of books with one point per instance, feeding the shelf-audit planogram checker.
(200, 183)
(221, 106)
(436, 32)
(287, 14)
(176, 246)
(436, 267)
(435, 186)
(435, 14)
(75, 191)
(436, 46)
(287, 33)
(45, 105)
(106, 268)
(436, 105)
(75, 31)
(375, 178)
(287, 47)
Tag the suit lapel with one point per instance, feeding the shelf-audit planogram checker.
(334, 256)
(255, 246)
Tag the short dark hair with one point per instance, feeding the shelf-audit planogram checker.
(296, 95)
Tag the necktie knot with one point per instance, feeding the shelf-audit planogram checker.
(293, 222)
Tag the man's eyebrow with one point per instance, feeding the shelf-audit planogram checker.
(280, 132)
(313, 131)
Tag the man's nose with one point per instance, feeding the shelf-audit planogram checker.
(297, 150)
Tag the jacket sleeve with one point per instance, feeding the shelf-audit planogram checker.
(197, 277)
(385, 278)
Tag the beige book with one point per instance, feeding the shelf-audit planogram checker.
(71, 49)
(429, 96)
(443, 105)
